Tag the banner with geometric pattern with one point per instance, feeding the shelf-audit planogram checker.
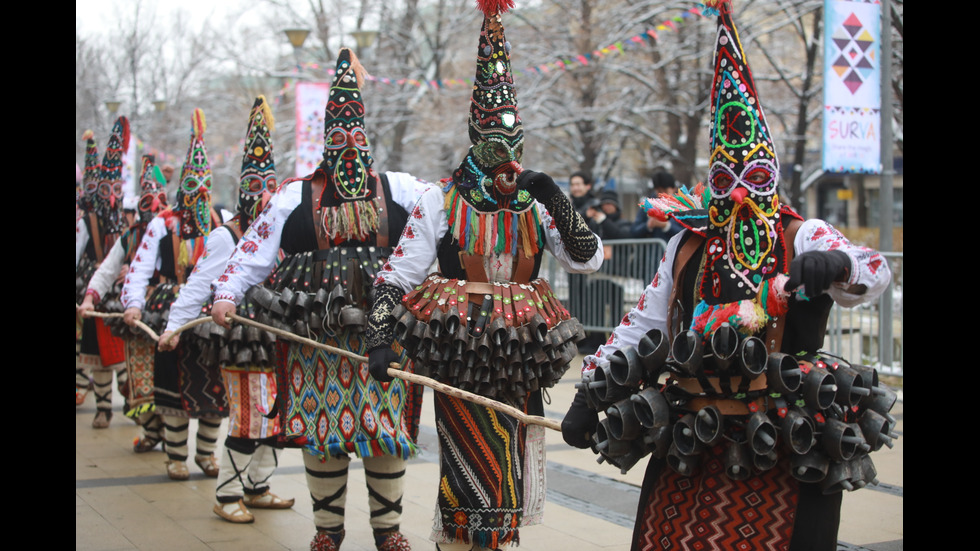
(852, 87)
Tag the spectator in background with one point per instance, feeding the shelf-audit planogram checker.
(604, 217)
(646, 226)
(580, 188)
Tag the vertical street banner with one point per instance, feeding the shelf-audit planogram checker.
(131, 163)
(852, 87)
(311, 97)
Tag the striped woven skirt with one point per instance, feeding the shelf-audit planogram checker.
(481, 474)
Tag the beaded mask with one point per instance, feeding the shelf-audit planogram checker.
(495, 127)
(153, 197)
(258, 180)
(346, 150)
(744, 247)
(194, 195)
(90, 177)
(109, 198)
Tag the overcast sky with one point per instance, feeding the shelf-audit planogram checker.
(96, 16)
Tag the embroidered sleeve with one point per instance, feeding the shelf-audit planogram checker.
(145, 262)
(105, 276)
(255, 256)
(406, 189)
(196, 292)
(649, 313)
(416, 250)
(869, 274)
(568, 236)
(381, 325)
(81, 239)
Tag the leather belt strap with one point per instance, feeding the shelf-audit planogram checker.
(691, 384)
(175, 245)
(684, 255)
(316, 189)
(379, 189)
(730, 407)
(774, 332)
(93, 224)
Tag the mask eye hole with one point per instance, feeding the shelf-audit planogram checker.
(360, 139)
(722, 180)
(272, 185)
(758, 176)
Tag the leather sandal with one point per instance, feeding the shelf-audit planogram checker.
(208, 464)
(234, 512)
(102, 418)
(267, 500)
(177, 470)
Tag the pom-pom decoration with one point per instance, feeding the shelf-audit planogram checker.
(493, 7)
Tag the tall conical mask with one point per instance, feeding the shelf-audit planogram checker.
(346, 150)
(258, 179)
(744, 247)
(153, 197)
(194, 195)
(90, 177)
(109, 199)
(495, 126)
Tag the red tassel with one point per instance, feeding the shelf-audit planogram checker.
(493, 7)
(125, 133)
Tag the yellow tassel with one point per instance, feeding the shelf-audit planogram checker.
(270, 121)
(88, 135)
(359, 71)
(198, 124)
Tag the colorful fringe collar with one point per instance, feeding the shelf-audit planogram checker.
(500, 231)
(352, 220)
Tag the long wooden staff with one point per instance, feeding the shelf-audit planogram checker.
(394, 370)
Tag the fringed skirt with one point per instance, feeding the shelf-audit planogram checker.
(186, 386)
(99, 348)
(481, 474)
(330, 404)
(140, 352)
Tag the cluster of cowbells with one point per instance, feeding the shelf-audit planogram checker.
(322, 292)
(486, 356)
(826, 415)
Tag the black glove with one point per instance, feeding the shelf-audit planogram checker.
(579, 422)
(816, 270)
(541, 186)
(378, 360)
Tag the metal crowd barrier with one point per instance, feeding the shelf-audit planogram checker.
(600, 300)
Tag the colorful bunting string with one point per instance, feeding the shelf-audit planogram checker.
(650, 36)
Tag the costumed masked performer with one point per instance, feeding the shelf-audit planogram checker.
(485, 322)
(84, 266)
(335, 227)
(185, 384)
(95, 236)
(104, 288)
(248, 365)
(753, 433)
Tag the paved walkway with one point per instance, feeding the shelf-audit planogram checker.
(125, 501)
